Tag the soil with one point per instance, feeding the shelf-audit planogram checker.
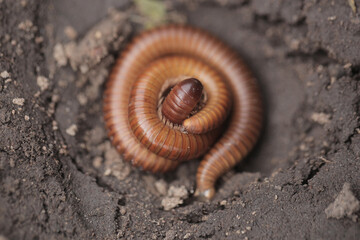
(61, 178)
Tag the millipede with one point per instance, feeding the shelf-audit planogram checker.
(178, 93)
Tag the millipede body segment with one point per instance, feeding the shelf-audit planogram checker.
(177, 93)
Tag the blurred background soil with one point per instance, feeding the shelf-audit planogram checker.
(60, 178)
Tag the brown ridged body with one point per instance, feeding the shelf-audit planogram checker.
(161, 139)
(164, 56)
(182, 99)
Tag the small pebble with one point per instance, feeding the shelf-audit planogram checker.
(42, 82)
(25, 25)
(169, 203)
(348, 65)
(345, 205)
(4, 74)
(180, 192)
(161, 187)
(98, 34)
(187, 235)
(18, 101)
(54, 125)
(223, 203)
(321, 118)
(175, 197)
(59, 55)
(123, 211)
(72, 130)
(39, 40)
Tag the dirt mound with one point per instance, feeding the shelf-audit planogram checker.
(61, 178)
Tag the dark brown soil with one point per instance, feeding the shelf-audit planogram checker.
(61, 179)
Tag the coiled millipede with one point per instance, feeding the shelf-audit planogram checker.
(138, 106)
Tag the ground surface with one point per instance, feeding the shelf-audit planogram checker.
(61, 179)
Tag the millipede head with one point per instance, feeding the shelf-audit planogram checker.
(182, 99)
(205, 195)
